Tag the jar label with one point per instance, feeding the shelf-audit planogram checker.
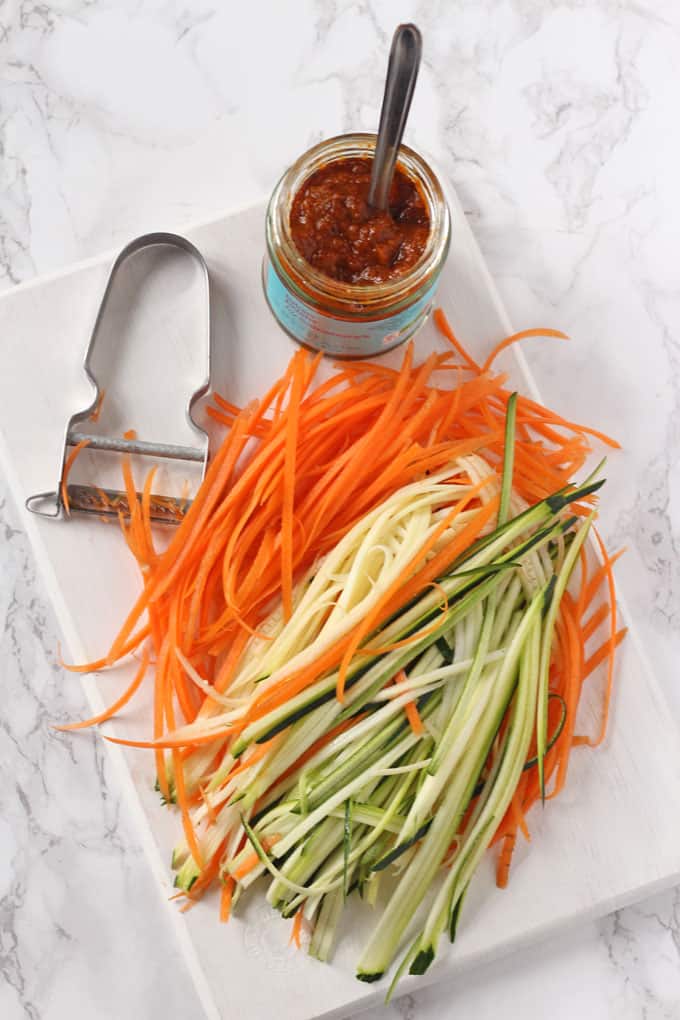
(339, 336)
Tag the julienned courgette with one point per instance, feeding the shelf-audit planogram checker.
(385, 797)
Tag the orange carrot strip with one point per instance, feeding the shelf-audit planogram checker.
(208, 874)
(170, 743)
(505, 859)
(252, 759)
(594, 621)
(118, 704)
(405, 642)
(97, 664)
(604, 652)
(567, 627)
(289, 490)
(522, 335)
(597, 578)
(68, 464)
(246, 866)
(297, 929)
(252, 860)
(94, 414)
(583, 583)
(228, 886)
(187, 824)
(614, 639)
(410, 709)
(413, 716)
(443, 326)
(217, 416)
(525, 404)
(146, 517)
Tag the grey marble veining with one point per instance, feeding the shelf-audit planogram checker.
(557, 122)
(81, 926)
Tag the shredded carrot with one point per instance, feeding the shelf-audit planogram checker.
(252, 860)
(293, 474)
(68, 464)
(289, 489)
(413, 716)
(614, 639)
(594, 583)
(504, 861)
(605, 653)
(295, 935)
(444, 328)
(252, 759)
(96, 720)
(187, 824)
(410, 708)
(94, 414)
(170, 743)
(594, 621)
(520, 336)
(228, 885)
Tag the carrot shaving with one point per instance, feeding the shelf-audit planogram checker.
(594, 621)
(228, 886)
(295, 935)
(614, 639)
(410, 708)
(95, 413)
(505, 859)
(413, 716)
(604, 654)
(170, 743)
(252, 860)
(187, 824)
(595, 582)
(68, 464)
(108, 713)
(444, 328)
(523, 335)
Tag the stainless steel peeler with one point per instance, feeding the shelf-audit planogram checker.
(108, 502)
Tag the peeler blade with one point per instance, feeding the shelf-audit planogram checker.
(105, 502)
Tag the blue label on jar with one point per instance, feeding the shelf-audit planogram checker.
(339, 336)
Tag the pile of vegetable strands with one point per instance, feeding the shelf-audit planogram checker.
(367, 663)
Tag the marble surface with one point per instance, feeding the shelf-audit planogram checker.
(557, 122)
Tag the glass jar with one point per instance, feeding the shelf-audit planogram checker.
(350, 320)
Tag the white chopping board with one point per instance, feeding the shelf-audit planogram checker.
(612, 837)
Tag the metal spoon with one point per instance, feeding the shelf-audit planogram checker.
(402, 72)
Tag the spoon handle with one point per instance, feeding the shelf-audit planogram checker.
(402, 72)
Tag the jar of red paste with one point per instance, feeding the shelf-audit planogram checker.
(339, 276)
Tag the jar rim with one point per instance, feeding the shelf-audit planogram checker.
(283, 250)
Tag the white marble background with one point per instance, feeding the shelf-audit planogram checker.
(558, 122)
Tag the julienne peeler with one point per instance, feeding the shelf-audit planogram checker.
(90, 499)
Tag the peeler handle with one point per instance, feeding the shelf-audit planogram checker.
(50, 504)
